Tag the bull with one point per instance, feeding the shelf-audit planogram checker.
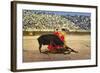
(51, 39)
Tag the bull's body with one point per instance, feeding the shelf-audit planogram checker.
(50, 39)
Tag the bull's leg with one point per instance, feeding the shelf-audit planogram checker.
(40, 47)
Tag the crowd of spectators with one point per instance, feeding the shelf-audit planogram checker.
(42, 20)
(84, 22)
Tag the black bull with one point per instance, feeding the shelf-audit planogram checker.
(52, 39)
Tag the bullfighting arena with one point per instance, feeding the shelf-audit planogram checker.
(78, 42)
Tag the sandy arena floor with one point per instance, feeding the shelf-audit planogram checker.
(80, 43)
